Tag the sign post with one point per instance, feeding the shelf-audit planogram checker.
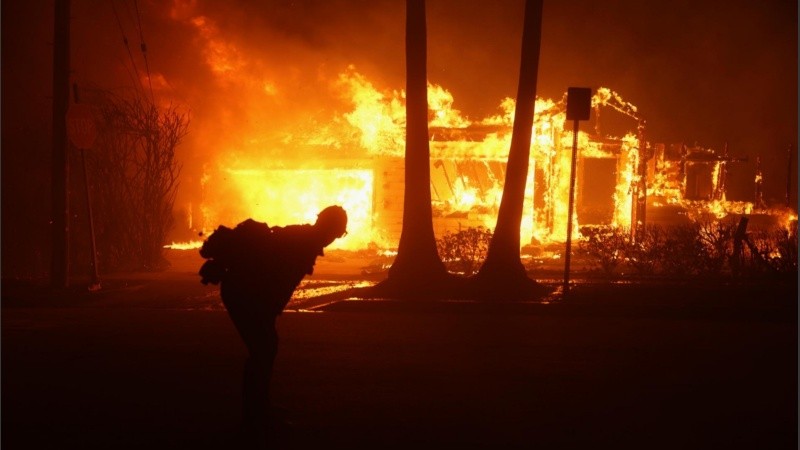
(82, 132)
(579, 105)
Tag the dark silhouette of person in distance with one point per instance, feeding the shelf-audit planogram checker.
(258, 268)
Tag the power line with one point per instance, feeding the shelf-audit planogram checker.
(134, 77)
(143, 46)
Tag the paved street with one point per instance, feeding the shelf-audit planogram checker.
(155, 363)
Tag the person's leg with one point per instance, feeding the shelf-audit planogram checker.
(252, 328)
(261, 342)
(263, 347)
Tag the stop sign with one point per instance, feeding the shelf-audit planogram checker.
(81, 129)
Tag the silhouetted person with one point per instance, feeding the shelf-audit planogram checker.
(258, 269)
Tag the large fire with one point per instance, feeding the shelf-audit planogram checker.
(467, 172)
(356, 160)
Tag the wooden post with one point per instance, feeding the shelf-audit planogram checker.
(59, 272)
(568, 250)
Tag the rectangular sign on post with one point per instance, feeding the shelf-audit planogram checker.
(579, 103)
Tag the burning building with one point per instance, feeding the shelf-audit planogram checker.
(278, 138)
(621, 180)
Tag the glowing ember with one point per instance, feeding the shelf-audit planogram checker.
(191, 245)
(317, 288)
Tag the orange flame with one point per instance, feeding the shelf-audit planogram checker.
(345, 159)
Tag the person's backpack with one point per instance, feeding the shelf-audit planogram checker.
(227, 249)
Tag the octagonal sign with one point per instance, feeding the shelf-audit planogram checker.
(81, 128)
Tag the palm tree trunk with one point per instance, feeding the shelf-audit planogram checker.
(503, 267)
(417, 269)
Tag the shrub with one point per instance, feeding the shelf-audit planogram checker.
(462, 252)
(772, 251)
(644, 254)
(682, 251)
(702, 248)
(715, 245)
(605, 245)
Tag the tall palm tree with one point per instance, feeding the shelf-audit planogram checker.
(417, 269)
(503, 272)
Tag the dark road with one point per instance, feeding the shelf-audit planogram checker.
(143, 370)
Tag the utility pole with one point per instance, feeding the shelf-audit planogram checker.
(59, 273)
(82, 132)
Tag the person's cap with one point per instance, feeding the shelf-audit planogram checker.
(333, 218)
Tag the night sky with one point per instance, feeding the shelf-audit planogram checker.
(705, 72)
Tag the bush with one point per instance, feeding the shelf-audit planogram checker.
(644, 254)
(463, 252)
(771, 251)
(703, 248)
(715, 241)
(682, 251)
(605, 245)
(786, 258)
